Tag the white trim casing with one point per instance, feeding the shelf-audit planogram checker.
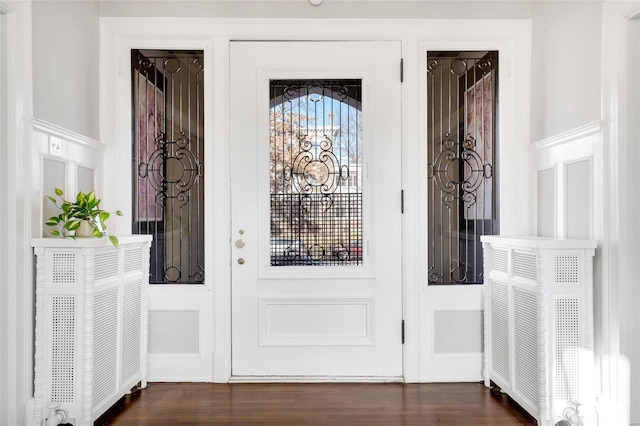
(16, 307)
(618, 226)
(513, 43)
(510, 37)
(116, 135)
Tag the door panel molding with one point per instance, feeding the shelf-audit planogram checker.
(341, 321)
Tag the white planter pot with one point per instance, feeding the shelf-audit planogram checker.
(85, 230)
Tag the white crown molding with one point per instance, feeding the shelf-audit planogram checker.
(156, 29)
(68, 135)
(370, 1)
(569, 136)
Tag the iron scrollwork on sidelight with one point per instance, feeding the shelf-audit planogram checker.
(462, 90)
(168, 161)
(459, 171)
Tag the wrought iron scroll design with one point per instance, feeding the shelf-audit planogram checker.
(457, 186)
(167, 158)
(316, 186)
(462, 93)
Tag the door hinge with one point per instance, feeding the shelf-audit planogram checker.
(401, 70)
(403, 332)
(402, 201)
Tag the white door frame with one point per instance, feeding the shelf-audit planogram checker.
(512, 38)
(515, 216)
(16, 254)
(617, 227)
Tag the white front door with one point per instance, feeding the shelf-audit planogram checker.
(316, 211)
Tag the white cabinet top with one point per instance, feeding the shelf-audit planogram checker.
(87, 242)
(539, 242)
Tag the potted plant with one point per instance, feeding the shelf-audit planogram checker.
(82, 217)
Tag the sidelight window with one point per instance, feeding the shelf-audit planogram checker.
(462, 93)
(167, 161)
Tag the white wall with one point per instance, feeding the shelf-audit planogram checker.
(585, 128)
(565, 66)
(66, 65)
(329, 9)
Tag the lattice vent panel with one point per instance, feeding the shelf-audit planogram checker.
(500, 329)
(132, 260)
(499, 260)
(105, 265)
(566, 269)
(63, 341)
(63, 268)
(105, 347)
(526, 343)
(566, 348)
(525, 265)
(131, 328)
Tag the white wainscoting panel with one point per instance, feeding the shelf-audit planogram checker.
(579, 190)
(53, 176)
(69, 161)
(464, 338)
(546, 202)
(565, 182)
(316, 321)
(86, 179)
(174, 332)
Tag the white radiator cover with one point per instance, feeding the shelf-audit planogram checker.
(90, 325)
(539, 323)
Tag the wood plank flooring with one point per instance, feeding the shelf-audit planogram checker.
(467, 404)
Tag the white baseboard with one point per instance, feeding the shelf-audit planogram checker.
(411, 367)
(314, 379)
(25, 412)
(221, 367)
(461, 379)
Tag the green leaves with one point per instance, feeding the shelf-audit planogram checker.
(103, 216)
(72, 224)
(53, 221)
(86, 207)
(114, 240)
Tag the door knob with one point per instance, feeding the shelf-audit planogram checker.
(240, 243)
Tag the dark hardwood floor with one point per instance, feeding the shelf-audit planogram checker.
(464, 404)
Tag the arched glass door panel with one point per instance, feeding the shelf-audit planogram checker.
(316, 172)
